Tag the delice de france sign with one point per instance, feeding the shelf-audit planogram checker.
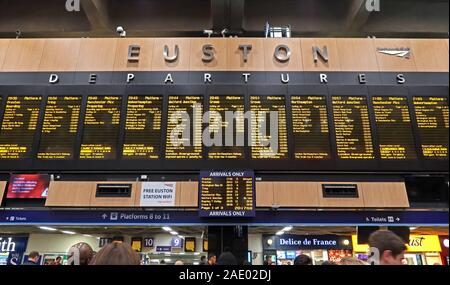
(158, 194)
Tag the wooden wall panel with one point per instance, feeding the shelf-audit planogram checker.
(264, 194)
(114, 202)
(357, 55)
(2, 190)
(189, 194)
(23, 55)
(392, 62)
(296, 194)
(385, 195)
(70, 194)
(307, 55)
(60, 55)
(4, 44)
(271, 64)
(255, 57)
(342, 202)
(220, 61)
(97, 55)
(159, 64)
(430, 55)
(145, 57)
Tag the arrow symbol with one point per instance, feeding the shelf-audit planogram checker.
(7, 218)
(367, 219)
(398, 219)
(104, 216)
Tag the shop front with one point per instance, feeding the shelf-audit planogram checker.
(284, 249)
(422, 250)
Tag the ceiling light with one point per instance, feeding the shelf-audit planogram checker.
(280, 233)
(288, 229)
(182, 237)
(346, 242)
(167, 229)
(69, 232)
(48, 229)
(413, 228)
(446, 242)
(174, 233)
(87, 236)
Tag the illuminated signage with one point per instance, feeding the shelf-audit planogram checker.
(417, 243)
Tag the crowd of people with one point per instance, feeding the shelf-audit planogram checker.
(390, 247)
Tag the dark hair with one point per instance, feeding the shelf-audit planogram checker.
(33, 254)
(85, 250)
(303, 259)
(328, 263)
(58, 258)
(211, 255)
(116, 253)
(227, 258)
(384, 240)
(203, 258)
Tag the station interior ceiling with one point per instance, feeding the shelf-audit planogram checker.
(199, 230)
(181, 18)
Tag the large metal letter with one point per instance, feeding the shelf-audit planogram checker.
(133, 52)
(323, 53)
(245, 51)
(208, 53)
(282, 56)
(172, 58)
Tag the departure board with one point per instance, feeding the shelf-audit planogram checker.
(394, 129)
(184, 127)
(19, 126)
(227, 194)
(101, 127)
(226, 127)
(352, 126)
(60, 127)
(432, 122)
(310, 127)
(143, 127)
(268, 127)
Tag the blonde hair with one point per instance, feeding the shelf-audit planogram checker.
(351, 261)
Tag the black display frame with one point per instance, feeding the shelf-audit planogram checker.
(290, 164)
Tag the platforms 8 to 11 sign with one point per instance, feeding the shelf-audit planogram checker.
(227, 194)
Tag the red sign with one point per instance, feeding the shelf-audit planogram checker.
(28, 186)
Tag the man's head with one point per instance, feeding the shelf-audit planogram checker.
(58, 259)
(303, 260)
(83, 251)
(391, 248)
(269, 259)
(33, 256)
(212, 258)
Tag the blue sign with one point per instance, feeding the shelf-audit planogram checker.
(163, 249)
(12, 249)
(227, 194)
(297, 242)
(191, 218)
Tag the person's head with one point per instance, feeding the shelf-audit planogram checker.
(227, 258)
(212, 259)
(58, 259)
(328, 263)
(391, 248)
(81, 250)
(162, 262)
(116, 253)
(269, 259)
(179, 262)
(303, 259)
(203, 259)
(351, 261)
(33, 256)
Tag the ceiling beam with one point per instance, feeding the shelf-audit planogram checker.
(97, 13)
(358, 15)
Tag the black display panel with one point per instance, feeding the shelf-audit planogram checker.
(226, 127)
(101, 127)
(268, 128)
(60, 127)
(310, 127)
(432, 123)
(394, 127)
(352, 127)
(18, 127)
(142, 139)
(227, 194)
(184, 127)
